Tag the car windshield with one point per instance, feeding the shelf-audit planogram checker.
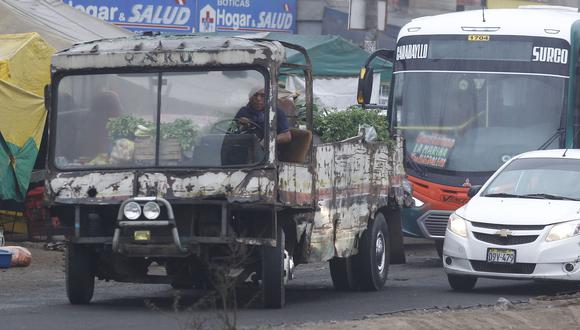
(112, 120)
(550, 178)
(475, 122)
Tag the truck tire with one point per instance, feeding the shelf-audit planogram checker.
(374, 254)
(79, 275)
(273, 273)
(343, 274)
(181, 279)
(461, 283)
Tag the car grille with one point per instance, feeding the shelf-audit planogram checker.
(510, 227)
(510, 240)
(517, 268)
(435, 223)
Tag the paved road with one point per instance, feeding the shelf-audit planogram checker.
(419, 284)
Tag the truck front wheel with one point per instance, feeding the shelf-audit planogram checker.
(374, 254)
(273, 273)
(80, 279)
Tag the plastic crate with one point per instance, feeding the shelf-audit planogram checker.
(5, 258)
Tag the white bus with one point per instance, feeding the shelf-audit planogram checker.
(472, 89)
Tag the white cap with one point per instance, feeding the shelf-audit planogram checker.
(254, 90)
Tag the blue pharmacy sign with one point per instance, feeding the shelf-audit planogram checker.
(194, 15)
(247, 15)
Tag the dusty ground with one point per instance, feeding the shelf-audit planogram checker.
(541, 313)
(561, 312)
(46, 266)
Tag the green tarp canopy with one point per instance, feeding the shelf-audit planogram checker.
(332, 56)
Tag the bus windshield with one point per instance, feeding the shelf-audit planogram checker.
(475, 121)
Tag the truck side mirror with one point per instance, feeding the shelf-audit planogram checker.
(47, 97)
(365, 86)
(473, 190)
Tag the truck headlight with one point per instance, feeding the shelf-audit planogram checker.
(132, 211)
(457, 225)
(151, 210)
(564, 230)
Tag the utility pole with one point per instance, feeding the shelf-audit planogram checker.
(369, 16)
(370, 43)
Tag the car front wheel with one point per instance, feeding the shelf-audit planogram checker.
(461, 282)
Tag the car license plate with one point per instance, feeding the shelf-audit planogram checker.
(501, 256)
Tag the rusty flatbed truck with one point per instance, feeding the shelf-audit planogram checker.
(204, 186)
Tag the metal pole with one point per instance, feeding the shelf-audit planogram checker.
(370, 43)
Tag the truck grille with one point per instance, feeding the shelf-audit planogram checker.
(510, 240)
(434, 223)
(517, 268)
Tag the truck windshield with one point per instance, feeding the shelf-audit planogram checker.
(475, 121)
(170, 119)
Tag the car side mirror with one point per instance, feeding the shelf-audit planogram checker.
(473, 190)
(365, 86)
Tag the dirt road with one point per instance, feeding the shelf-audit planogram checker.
(561, 312)
(43, 280)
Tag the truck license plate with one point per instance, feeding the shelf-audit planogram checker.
(501, 256)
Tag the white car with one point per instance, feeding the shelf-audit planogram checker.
(523, 223)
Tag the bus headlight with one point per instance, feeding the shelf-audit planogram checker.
(132, 211)
(418, 202)
(457, 225)
(151, 210)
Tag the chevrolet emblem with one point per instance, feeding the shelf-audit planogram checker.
(504, 233)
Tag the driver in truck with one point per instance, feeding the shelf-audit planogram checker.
(252, 116)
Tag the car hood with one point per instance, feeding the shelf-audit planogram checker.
(513, 211)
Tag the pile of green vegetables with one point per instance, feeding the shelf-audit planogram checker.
(338, 125)
(130, 127)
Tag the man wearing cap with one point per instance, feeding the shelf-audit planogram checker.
(253, 112)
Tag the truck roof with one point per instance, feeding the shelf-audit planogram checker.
(540, 21)
(168, 51)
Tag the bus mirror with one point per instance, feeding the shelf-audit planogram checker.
(47, 97)
(389, 54)
(365, 86)
(473, 190)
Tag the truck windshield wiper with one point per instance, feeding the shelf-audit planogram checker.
(502, 195)
(549, 196)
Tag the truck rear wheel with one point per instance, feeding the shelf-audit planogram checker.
(343, 274)
(80, 278)
(374, 255)
(273, 273)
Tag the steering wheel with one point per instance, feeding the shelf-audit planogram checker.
(235, 126)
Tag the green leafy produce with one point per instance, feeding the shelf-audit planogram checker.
(124, 127)
(182, 129)
(339, 125)
(129, 127)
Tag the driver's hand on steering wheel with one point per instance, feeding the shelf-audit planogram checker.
(243, 120)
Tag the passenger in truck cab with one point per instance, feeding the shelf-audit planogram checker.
(252, 116)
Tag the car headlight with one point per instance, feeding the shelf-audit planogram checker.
(132, 211)
(563, 231)
(457, 225)
(151, 210)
